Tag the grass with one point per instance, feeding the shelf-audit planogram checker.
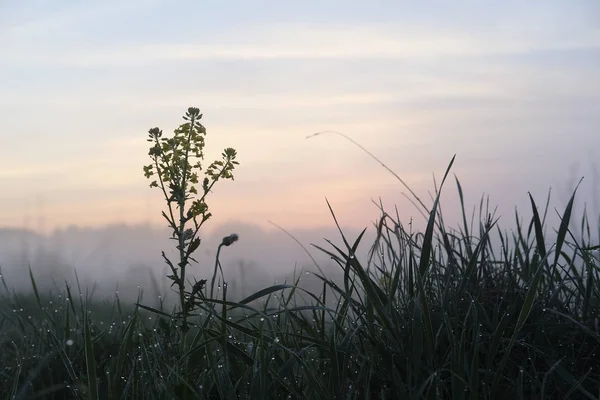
(439, 314)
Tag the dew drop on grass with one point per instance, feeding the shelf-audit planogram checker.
(69, 342)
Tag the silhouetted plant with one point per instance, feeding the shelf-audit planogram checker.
(176, 163)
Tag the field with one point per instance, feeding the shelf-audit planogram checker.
(439, 314)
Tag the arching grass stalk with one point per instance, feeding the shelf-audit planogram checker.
(176, 162)
(227, 241)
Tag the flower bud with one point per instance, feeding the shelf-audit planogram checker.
(229, 240)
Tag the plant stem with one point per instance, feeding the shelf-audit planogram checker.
(182, 255)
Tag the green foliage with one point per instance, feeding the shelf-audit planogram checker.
(176, 163)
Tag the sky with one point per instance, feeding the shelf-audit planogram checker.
(511, 88)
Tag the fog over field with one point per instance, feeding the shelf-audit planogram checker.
(131, 256)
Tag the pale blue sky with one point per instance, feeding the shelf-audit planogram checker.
(511, 87)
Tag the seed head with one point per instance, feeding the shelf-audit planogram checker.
(229, 240)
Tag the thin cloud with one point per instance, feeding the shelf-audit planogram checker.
(349, 42)
(294, 42)
(292, 99)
